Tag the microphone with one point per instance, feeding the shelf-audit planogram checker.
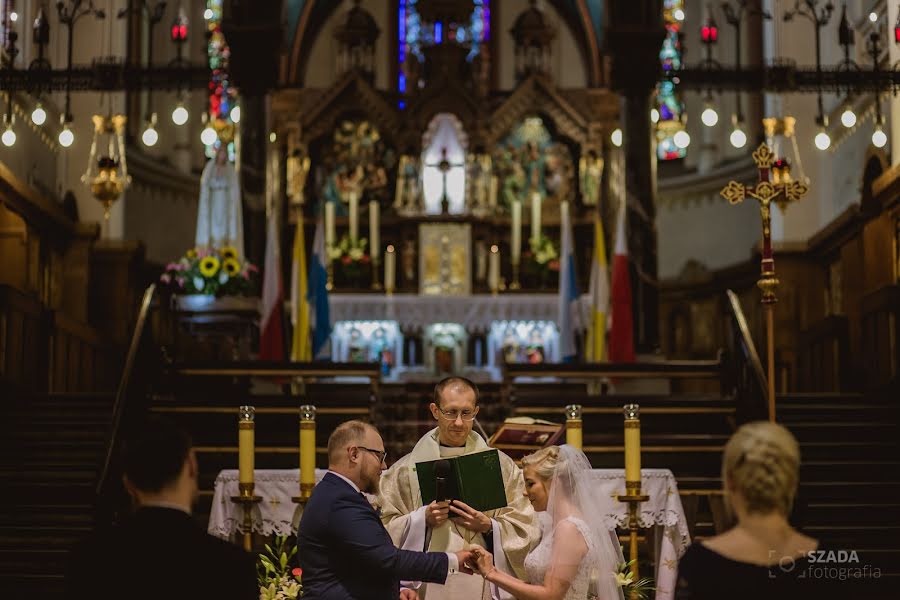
(441, 473)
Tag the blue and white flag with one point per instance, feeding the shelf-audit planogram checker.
(317, 292)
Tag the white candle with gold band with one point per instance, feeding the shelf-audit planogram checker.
(573, 425)
(329, 224)
(374, 229)
(390, 269)
(535, 216)
(353, 209)
(494, 269)
(632, 443)
(515, 244)
(246, 442)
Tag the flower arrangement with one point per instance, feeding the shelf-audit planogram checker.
(543, 252)
(351, 258)
(212, 271)
(277, 580)
(639, 589)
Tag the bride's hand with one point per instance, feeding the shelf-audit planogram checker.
(484, 561)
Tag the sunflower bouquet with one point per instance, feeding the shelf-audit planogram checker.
(212, 271)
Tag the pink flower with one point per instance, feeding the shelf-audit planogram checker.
(252, 268)
(173, 267)
(297, 572)
(346, 259)
(180, 282)
(165, 278)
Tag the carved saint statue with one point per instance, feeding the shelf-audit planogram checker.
(219, 216)
(590, 171)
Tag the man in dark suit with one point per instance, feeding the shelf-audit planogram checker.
(160, 551)
(345, 552)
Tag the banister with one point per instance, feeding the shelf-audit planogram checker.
(748, 377)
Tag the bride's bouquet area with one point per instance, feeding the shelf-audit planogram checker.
(212, 271)
(633, 589)
(277, 579)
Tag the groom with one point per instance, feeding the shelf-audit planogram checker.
(508, 532)
(344, 550)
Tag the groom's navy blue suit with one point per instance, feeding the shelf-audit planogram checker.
(346, 553)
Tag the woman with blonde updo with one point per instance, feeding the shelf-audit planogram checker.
(575, 544)
(762, 556)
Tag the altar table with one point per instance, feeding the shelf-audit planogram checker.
(662, 514)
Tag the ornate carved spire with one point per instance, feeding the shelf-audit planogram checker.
(533, 35)
(356, 37)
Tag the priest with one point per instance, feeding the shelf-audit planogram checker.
(508, 532)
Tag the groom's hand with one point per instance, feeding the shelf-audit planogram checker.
(466, 516)
(466, 560)
(436, 514)
(408, 594)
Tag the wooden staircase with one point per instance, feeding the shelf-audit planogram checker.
(51, 449)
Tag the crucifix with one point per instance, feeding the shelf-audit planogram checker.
(444, 165)
(774, 185)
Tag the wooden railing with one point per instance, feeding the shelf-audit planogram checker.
(745, 376)
(881, 338)
(45, 351)
(823, 357)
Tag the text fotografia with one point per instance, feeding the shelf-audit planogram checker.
(839, 565)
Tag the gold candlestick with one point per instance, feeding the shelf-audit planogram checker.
(247, 500)
(633, 495)
(307, 453)
(573, 425)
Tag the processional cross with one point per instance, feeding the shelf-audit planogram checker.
(774, 185)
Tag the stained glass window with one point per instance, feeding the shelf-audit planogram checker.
(668, 104)
(414, 34)
(221, 93)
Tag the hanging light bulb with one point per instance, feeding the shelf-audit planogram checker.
(66, 136)
(9, 136)
(616, 137)
(208, 135)
(180, 115)
(738, 138)
(709, 116)
(879, 138)
(654, 115)
(38, 115)
(682, 139)
(848, 117)
(235, 114)
(822, 140)
(150, 135)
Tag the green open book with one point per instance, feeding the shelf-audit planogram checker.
(475, 478)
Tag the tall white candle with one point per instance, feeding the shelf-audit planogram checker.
(494, 269)
(354, 216)
(516, 234)
(329, 224)
(374, 229)
(535, 215)
(390, 269)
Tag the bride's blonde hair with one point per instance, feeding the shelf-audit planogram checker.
(543, 462)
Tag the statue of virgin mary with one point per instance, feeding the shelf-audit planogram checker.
(219, 216)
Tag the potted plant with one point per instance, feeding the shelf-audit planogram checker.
(210, 279)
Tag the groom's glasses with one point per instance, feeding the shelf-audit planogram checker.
(452, 415)
(381, 454)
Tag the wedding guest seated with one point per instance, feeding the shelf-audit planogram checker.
(160, 551)
(762, 556)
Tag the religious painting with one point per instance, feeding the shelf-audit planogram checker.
(444, 259)
(367, 341)
(356, 160)
(530, 161)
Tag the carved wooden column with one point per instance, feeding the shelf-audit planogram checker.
(635, 34)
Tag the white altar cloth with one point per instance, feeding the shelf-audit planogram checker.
(414, 312)
(276, 514)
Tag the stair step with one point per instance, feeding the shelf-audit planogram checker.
(851, 513)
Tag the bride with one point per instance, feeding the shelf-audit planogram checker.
(577, 557)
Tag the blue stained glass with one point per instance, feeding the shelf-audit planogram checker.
(668, 101)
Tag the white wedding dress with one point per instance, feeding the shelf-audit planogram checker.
(538, 560)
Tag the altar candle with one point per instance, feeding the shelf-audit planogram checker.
(374, 230)
(307, 449)
(494, 269)
(632, 443)
(329, 224)
(516, 237)
(390, 269)
(535, 216)
(245, 444)
(492, 197)
(354, 216)
(573, 425)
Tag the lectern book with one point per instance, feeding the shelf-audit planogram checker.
(475, 478)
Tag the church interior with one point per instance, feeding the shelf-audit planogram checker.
(261, 219)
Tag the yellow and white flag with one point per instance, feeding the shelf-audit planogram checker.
(301, 349)
(599, 292)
